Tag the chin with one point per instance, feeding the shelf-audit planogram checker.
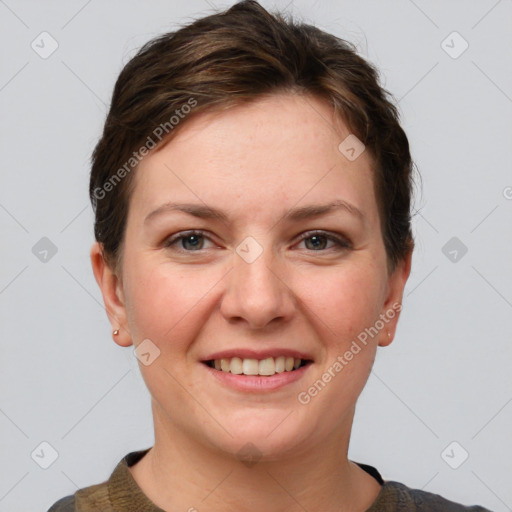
(264, 434)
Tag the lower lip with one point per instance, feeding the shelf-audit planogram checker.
(257, 383)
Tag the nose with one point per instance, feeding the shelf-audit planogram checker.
(257, 292)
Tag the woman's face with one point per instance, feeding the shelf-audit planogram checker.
(263, 275)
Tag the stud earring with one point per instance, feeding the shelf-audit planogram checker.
(116, 332)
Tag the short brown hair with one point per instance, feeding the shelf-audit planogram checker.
(234, 57)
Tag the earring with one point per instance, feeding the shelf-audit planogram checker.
(116, 332)
(389, 334)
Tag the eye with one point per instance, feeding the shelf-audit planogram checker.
(193, 241)
(319, 240)
(190, 241)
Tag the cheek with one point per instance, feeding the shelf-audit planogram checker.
(344, 303)
(165, 302)
(346, 300)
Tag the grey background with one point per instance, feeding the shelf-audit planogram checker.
(446, 377)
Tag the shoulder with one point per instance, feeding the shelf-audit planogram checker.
(107, 495)
(88, 499)
(397, 497)
(66, 504)
(407, 499)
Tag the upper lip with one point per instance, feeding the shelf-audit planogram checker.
(246, 353)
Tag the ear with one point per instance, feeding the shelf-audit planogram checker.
(113, 296)
(393, 302)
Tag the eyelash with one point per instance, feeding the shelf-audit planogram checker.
(340, 241)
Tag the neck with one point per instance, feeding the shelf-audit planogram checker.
(179, 473)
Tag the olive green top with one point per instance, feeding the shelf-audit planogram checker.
(121, 493)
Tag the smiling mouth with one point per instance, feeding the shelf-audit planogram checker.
(259, 367)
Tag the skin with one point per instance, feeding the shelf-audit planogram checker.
(255, 162)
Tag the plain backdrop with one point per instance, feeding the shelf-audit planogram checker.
(441, 392)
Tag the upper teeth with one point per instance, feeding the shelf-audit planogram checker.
(268, 366)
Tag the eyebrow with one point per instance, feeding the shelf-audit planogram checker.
(295, 214)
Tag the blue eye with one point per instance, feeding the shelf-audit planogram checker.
(195, 238)
(193, 241)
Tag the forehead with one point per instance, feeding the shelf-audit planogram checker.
(273, 152)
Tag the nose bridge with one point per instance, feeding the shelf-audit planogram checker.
(256, 292)
(256, 271)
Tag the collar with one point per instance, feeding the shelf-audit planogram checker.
(125, 494)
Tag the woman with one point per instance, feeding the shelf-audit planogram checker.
(252, 191)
